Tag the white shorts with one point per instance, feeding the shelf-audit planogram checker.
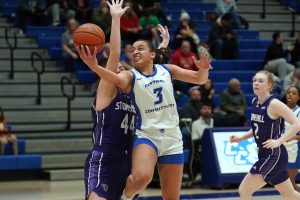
(292, 149)
(166, 142)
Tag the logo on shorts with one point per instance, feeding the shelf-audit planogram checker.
(104, 187)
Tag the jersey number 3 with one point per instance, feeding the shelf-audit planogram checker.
(158, 93)
(125, 124)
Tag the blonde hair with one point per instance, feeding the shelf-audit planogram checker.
(270, 77)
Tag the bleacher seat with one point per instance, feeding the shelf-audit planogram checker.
(224, 65)
(20, 162)
(86, 77)
(35, 31)
(225, 76)
(46, 42)
(188, 6)
(21, 147)
(253, 54)
(254, 44)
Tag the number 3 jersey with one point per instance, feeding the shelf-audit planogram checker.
(263, 126)
(114, 125)
(154, 98)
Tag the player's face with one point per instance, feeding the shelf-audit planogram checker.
(292, 96)
(120, 68)
(261, 86)
(141, 54)
(205, 111)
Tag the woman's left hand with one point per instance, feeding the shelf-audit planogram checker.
(204, 62)
(270, 144)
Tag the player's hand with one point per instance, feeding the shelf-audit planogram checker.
(270, 144)
(116, 9)
(233, 138)
(164, 33)
(204, 62)
(87, 57)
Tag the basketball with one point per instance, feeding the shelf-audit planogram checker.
(90, 35)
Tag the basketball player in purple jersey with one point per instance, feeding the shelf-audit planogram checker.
(267, 118)
(108, 164)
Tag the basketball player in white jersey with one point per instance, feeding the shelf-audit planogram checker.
(158, 135)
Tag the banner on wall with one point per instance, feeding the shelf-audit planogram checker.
(234, 157)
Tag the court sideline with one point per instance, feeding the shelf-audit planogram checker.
(74, 190)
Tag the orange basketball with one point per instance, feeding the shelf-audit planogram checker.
(90, 35)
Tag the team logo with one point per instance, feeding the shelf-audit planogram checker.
(243, 153)
(105, 187)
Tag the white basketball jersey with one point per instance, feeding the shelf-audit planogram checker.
(154, 98)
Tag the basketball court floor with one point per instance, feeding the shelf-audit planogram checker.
(74, 190)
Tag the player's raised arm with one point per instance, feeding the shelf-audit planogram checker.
(116, 12)
(196, 77)
(121, 80)
(164, 33)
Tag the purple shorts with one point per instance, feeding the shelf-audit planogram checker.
(106, 174)
(272, 167)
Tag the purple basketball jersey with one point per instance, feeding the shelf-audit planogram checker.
(272, 163)
(114, 125)
(108, 164)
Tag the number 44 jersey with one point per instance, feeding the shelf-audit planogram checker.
(154, 98)
(114, 125)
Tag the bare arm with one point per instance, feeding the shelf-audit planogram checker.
(279, 109)
(165, 36)
(121, 80)
(249, 134)
(106, 90)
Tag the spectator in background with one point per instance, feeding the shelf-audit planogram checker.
(126, 56)
(28, 9)
(204, 121)
(69, 52)
(5, 137)
(233, 102)
(275, 59)
(149, 22)
(191, 108)
(102, 18)
(59, 10)
(293, 79)
(130, 27)
(223, 40)
(157, 11)
(182, 57)
(103, 55)
(186, 31)
(83, 9)
(207, 92)
(295, 53)
(228, 6)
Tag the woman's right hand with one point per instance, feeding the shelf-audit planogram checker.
(87, 57)
(116, 9)
(233, 138)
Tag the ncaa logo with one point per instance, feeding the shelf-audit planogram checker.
(105, 187)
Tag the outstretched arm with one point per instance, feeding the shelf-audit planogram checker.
(107, 91)
(196, 77)
(121, 80)
(249, 134)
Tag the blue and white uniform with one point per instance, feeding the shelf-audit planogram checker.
(109, 162)
(292, 145)
(157, 116)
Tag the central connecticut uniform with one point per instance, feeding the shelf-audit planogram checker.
(157, 116)
(109, 163)
(272, 163)
(292, 145)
